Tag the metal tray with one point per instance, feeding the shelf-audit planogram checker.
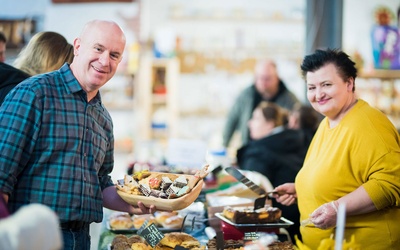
(134, 230)
(282, 223)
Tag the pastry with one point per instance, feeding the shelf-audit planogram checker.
(135, 239)
(158, 194)
(183, 191)
(180, 181)
(172, 190)
(286, 245)
(141, 246)
(228, 244)
(121, 246)
(141, 175)
(176, 239)
(174, 222)
(166, 182)
(145, 189)
(162, 216)
(119, 238)
(154, 183)
(120, 221)
(246, 215)
(139, 220)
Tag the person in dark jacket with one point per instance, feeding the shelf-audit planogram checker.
(9, 78)
(274, 151)
(267, 86)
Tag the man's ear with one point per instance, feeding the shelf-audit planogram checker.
(77, 45)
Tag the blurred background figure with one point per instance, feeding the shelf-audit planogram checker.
(305, 119)
(274, 151)
(3, 41)
(34, 226)
(45, 52)
(266, 87)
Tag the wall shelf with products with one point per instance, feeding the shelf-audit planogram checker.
(156, 98)
(381, 88)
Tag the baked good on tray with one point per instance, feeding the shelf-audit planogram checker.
(122, 242)
(171, 240)
(228, 244)
(120, 221)
(286, 245)
(247, 215)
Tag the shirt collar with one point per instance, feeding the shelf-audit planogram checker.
(72, 85)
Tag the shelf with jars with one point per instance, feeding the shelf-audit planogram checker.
(381, 88)
(156, 98)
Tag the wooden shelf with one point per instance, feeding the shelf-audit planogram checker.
(379, 89)
(156, 71)
(380, 73)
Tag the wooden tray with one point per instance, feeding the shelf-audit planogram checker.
(165, 204)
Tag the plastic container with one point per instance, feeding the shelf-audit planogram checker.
(218, 158)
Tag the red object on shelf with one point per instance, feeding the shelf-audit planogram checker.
(237, 233)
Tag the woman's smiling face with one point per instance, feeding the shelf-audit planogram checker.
(328, 93)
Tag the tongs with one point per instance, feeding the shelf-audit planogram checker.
(260, 201)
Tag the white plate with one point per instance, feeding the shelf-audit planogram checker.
(281, 223)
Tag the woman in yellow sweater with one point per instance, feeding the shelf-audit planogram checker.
(354, 159)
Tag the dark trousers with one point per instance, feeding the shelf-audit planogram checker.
(76, 239)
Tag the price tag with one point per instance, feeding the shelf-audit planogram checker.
(151, 234)
(251, 236)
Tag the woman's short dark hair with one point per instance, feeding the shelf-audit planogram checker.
(344, 65)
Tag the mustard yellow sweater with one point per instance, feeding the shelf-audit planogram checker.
(363, 149)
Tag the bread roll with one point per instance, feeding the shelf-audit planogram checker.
(138, 220)
(141, 246)
(174, 222)
(162, 216)
(120, 221)
(176, 239)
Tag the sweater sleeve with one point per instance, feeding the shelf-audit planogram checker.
(384, 183)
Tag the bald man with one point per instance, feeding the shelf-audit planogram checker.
(268, 87)
(65, 150)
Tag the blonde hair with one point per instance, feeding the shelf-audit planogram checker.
(45, 52)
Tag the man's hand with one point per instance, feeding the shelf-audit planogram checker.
(142, 209)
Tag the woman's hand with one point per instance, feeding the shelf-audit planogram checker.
(324, 217)
(285, 194)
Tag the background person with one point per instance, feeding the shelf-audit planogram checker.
(353, 159)
(267, 86)
(45, 52)
(3, 47)
(305, 119)
(34, 226)
(274, 151)
(56, 138)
